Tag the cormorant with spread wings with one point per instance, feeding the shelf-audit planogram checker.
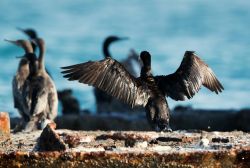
(147, 90)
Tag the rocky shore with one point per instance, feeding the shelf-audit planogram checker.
(201, 138)
(128, 149)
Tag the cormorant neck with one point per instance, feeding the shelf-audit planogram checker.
(27, 48)
(146, 64)
(33, 46)
(41, 46)
(105, 49)
(146, 71)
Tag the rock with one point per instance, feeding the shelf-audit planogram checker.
(49, 140)
(109, 149)
(4, 126)
(220, 140)
(72, 140)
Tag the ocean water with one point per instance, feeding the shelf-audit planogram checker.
(219, 31)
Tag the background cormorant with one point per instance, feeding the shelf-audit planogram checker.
(20, 77)
(39, 92)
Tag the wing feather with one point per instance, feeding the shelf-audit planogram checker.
(111, 77)
(188, 79)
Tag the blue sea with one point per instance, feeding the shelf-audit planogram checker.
(219, 31)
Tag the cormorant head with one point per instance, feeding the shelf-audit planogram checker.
(26, 45)
(111, 39)
(146, 58)
(29, 32)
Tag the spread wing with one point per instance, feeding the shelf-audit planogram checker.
(111, 77)
(188, 79)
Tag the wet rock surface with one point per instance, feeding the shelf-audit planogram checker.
(130, 149)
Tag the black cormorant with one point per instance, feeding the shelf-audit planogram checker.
(147, 90)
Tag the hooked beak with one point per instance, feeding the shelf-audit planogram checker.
(22, 30)
(124, 38)
(11, 41)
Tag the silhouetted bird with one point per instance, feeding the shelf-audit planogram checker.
(104, 102)
(39, 92)
(147, 90)
(20, 77)
(70, 104)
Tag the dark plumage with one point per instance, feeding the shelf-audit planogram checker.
(147, 90)
(20, 77)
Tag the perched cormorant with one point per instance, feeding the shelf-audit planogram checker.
(39, 92)
(147, 90)
(20, 77)
(104, 102)
(51, 88)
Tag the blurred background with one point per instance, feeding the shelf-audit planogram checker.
(74, 31)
